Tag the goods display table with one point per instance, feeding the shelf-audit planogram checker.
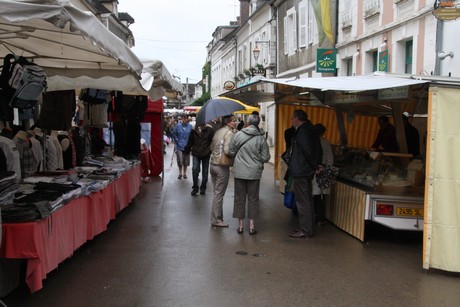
(47, 242)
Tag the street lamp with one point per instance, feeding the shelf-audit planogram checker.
(256, 53)
(256, 50)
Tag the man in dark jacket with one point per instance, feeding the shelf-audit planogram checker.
(305, 162)
(199, 144)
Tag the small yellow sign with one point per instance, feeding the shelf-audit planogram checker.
(229, 85)
(447, 13)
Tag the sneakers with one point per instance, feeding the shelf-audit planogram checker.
(220, 224)
(194, 191)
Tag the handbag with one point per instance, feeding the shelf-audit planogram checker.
(224, 159)
(286, 156)
(289, 199)
(327, 176)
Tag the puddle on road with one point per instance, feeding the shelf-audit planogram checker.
(243, 253)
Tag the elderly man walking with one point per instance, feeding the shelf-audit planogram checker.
(251, 151)
(305, 162)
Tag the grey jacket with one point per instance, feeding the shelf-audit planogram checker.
(251, 151)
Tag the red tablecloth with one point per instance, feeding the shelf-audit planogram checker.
(48, 242)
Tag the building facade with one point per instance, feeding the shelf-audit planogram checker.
(390, 36)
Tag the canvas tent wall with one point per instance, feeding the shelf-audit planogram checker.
(441, 248)
(154, 116)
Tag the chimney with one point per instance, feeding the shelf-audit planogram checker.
(244, 11)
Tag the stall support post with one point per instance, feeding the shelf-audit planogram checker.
(341, 126)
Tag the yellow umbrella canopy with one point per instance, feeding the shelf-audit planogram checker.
(248, 109)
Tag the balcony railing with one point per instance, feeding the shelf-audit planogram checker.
(346, 19)
(371, 7)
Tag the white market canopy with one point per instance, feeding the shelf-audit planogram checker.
(61, 38)
(75, 49)
(349, 84)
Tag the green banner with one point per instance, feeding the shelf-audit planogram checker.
(383, 61)
(326, 60)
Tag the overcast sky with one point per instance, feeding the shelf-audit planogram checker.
(176, 32)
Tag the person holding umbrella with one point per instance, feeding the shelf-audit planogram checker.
(220, 167)
(180, 135)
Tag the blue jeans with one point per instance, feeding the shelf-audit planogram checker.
(199, 163)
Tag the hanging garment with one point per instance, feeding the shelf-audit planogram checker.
(37, 153)
(78, 141)
(25, 156)
(12, 156)
(68, 150)
(57, 145)
(50, 150)
(3, 167)
(95, 115)
(58, 109)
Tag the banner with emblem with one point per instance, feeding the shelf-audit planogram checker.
(326, 60)
(383, 61)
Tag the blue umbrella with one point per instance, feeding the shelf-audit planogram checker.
(216, 107)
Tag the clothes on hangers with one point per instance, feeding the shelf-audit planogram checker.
(12, 156)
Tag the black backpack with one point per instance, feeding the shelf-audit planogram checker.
(22, 82)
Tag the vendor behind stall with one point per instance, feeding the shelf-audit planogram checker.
(386, 137)
(412, 136)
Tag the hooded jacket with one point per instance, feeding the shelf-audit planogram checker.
(306, 151)
(251, 151)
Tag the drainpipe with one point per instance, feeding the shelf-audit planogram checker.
(235, 42)
(439, 36)
(336, 30)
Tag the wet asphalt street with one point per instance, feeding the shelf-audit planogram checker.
(162, 251)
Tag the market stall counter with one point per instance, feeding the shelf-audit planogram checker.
(378, 187)
(46, 242)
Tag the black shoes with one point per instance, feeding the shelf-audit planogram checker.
(194, 191)
(240, 230)
(252, 231)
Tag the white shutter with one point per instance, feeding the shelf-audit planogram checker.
(313, 37)
(294, 36)
(286, 37)
(303, 10)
